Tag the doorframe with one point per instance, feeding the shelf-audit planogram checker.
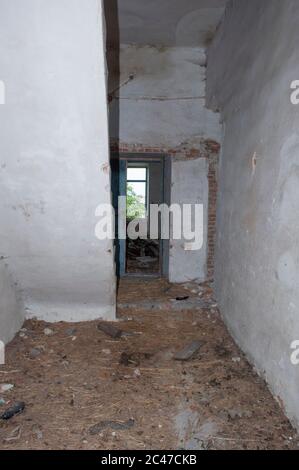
(165, 160)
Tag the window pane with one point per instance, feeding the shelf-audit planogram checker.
(136, 174)
(136, 197)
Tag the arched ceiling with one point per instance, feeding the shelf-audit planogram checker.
(163, 22)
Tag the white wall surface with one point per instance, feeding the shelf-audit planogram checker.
(54, 157)
(11, 308)
(164, 107)
(168, 22)
(251, 65)
(189, 186)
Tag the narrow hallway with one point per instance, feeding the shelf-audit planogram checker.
(149, 249)
(86, 390)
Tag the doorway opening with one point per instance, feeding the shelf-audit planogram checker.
(143, 181)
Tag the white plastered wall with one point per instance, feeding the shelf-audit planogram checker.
(54, 159)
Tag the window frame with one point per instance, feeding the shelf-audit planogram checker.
(146, 181)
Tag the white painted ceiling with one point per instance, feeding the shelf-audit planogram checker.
(164, 22)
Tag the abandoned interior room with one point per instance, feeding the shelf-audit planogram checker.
(149, 188)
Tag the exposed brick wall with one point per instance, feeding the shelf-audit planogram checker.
(213, 188)
(206, 149)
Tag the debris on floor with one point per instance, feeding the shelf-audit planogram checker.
(34, 353)
(129, 359)
(48, 332)
(13, 410)
(14, 435)
(110, 330)
(188, 351)
(71, 331)
(128, 393)
(6, 387)
(143, 256)
(38, 432)
(114, 425)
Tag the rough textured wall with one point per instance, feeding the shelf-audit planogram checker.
(189, 186)
(251, 64)
(162, 109)
(164, 104)
(11, 308)
(54, 168)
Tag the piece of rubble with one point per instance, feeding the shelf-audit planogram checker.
(134, 358)
(137, 373)
(71, 332)
(106, 351)
(15, 409)
(238, 413)
(188, 352)
(34, 353)
(37, 431)
(110, 330)
(14, 435)
(127, 359)
(129, 334)
(6, 387)
(236, 359)
(114, 425)
(48, 332)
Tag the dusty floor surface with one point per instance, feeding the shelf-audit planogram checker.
(85, 390)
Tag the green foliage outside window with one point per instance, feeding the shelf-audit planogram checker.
(135, 204)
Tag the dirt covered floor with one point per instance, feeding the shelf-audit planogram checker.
(85, 390)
